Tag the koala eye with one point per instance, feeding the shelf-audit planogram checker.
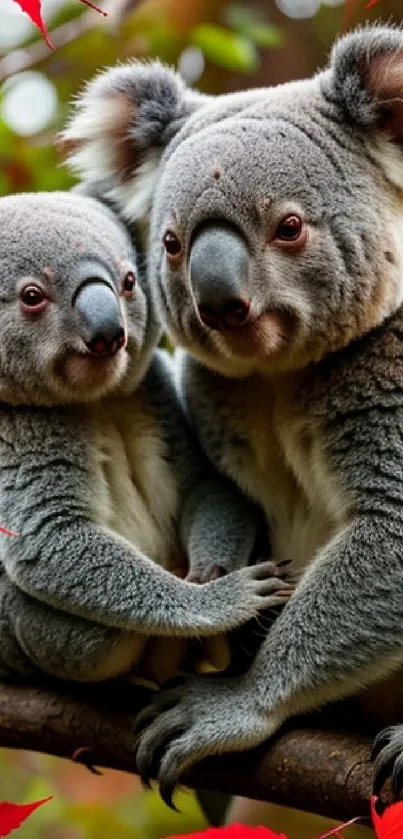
(128, 284)
(290, 230)
(33, 298)
(172, 244)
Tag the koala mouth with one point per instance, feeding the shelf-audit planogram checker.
(263, 336)
(85, 371)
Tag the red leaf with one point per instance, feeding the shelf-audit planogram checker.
(234, 831)
(13, 815)
(390, 824)
(34, 11)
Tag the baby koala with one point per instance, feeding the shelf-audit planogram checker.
(100, 476)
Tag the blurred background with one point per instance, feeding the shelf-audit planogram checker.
(218, 46)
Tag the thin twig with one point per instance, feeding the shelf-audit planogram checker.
(38, 52)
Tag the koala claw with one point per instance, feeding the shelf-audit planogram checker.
(203, 717)
(206, 575)
(387, 754)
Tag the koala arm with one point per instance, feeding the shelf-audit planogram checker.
(218, 529)
(342, 629)
(64, 558)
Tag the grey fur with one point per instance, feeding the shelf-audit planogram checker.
(303, 406)
(99, 471)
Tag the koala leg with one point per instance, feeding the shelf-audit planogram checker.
(218, 531)
(34, 637)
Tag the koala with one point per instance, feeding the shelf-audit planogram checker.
(101, 478)
(276, 265)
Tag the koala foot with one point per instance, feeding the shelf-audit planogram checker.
(203, 716)
(387, 755)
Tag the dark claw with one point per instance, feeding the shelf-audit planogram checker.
(82, 755)
(145, 768)
(381, 740)
(381, 774)
(163, 701)
(167, 787)
(148, 764)
(143, 719)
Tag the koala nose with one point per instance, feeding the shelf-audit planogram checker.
(100, 319)
(219, 264)
(233, 314)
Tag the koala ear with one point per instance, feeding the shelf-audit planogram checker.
(121, 124)
(367, 79)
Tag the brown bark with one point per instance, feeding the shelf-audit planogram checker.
(315, 768)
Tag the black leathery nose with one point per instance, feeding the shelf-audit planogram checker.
(99, 346)
(100, 318)
(234, 315)
(219, 267)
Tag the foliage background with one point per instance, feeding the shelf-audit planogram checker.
(219, 46)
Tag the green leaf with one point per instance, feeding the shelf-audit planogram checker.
(97, 822)
(225, 48)
(252, 24)
(164, 43)
(154, 819)
(265, 35)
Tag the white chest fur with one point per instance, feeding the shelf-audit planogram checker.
(280, 461)
(136, 494)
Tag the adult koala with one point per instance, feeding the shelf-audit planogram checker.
(276, 257)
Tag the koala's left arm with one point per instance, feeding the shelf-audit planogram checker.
(342, 629)
(218, 525)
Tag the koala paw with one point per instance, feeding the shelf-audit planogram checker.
(215, 570)
(387, 755)
(203, 716)
(242, 595)
(206, 574)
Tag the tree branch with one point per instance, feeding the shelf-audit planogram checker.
(319, 769)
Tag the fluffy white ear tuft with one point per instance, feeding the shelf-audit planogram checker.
(120, 126)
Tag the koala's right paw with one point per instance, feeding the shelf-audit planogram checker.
(241, 595)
